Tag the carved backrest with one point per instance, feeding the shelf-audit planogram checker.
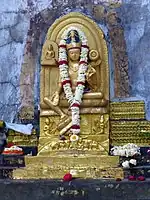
(98, 54)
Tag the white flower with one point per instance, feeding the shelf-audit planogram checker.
(73, 172)
(125, 164)
(133, 162)
(74, 138)
(15, 148)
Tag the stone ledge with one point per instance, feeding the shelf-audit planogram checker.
(77, 189)
(55, 167)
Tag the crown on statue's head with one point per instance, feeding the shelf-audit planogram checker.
(73, 40)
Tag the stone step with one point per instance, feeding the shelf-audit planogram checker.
(57, 167)
(127, 110)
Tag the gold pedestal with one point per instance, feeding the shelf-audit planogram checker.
(57, 166)
(93, 139)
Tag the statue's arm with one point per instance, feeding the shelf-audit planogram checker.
(56, 96)
(91, 78)
(60, 88)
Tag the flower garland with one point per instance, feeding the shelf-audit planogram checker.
(73, 99)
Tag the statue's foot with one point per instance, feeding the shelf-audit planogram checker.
(65, 129)
(63, 116)
(65, 124)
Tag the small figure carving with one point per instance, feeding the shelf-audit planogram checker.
(49, 56)
(50, 53)
(100, 124)
(47, 127)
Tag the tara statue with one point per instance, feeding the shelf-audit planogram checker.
(74, 81)
(76, 77)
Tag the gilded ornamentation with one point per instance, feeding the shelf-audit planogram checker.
(127, 110)
(67, 41)
(49, 126)
(79, 145)
(49, 143)
(56, 166)
(128, 124)
(22, 140)
(100, 124)
(75, 76)
(49, 54)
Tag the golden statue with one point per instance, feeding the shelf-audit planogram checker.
(74, 84)
(74, 102)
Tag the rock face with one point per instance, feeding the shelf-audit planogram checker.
(137, 35)
(23, 27)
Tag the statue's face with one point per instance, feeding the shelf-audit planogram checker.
(74, 54)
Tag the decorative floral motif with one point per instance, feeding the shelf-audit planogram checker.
(73, 99)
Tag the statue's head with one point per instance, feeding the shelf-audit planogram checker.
(73, 44)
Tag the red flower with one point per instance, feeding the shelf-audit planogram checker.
(9, 144)
(131, 178)
(82, 62)
(65, 82)
(62, 46)
(67, 177)
(80, 83)
(85, 46)
(76, 105)
(61, 62)
(141, 178)
(75, 126)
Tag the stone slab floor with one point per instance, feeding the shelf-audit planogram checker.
(76, 189)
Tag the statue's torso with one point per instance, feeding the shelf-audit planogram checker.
(73, 73)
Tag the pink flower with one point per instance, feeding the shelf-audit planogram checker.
(131, 178)
(141, 178)
(148, 151)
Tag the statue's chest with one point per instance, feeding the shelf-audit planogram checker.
(73, 77)
(73, 71)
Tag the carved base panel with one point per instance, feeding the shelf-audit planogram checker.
(57, 167)
(98, 145)
(91, 124)
(22, 140)
(93, 139)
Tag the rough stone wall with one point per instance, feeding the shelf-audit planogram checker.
(23, 27)
(135, 17)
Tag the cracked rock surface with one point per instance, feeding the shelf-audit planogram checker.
(23, 27)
